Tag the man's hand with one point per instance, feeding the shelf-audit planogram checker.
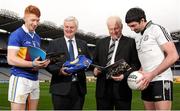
(145, 80)
(37, 64)
(62, 72)
(96, 72)
(119, 77)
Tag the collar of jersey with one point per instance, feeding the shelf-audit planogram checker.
(27, 31)
(147, 25)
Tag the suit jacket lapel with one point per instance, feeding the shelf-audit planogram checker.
(120, 47)
(106, 46)
(79, 47)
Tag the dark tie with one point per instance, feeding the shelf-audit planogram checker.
(71, 50)
(71, 54)
(110, 52)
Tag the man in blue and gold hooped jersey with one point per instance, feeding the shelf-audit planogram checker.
(24, 83)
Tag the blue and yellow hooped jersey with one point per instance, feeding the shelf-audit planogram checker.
(20, 39)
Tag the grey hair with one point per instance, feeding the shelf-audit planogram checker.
(116, 18)
(72, 18)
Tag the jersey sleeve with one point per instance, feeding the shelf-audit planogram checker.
(162, 35)
(14, 40)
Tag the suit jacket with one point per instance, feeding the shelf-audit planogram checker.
(126, 50)
(60, 84)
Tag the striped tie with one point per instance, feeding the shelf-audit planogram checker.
(110, 52)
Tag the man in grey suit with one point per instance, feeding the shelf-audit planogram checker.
(114, 92)
(68, 91)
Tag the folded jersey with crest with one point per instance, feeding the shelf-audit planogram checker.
(80, 63)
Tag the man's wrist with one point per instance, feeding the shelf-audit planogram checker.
(33, 64)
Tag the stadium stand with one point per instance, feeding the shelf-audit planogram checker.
(9, 21)
(4, 74)
(44, 76)
(176, 38)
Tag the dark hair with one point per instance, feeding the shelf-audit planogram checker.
(32, 10)
(135, 15)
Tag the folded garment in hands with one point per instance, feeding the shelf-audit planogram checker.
(80, 63)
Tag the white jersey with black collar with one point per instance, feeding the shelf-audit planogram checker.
(149, 50)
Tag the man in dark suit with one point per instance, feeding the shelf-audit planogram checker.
(114, 92)
(68, 91)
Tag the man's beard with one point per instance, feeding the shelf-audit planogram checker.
(137, 31)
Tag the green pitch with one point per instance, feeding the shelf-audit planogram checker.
(45, 98)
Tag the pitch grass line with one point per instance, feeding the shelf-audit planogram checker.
(4, 107)
(46, 104)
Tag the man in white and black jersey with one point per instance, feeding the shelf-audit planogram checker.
(157, 53)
